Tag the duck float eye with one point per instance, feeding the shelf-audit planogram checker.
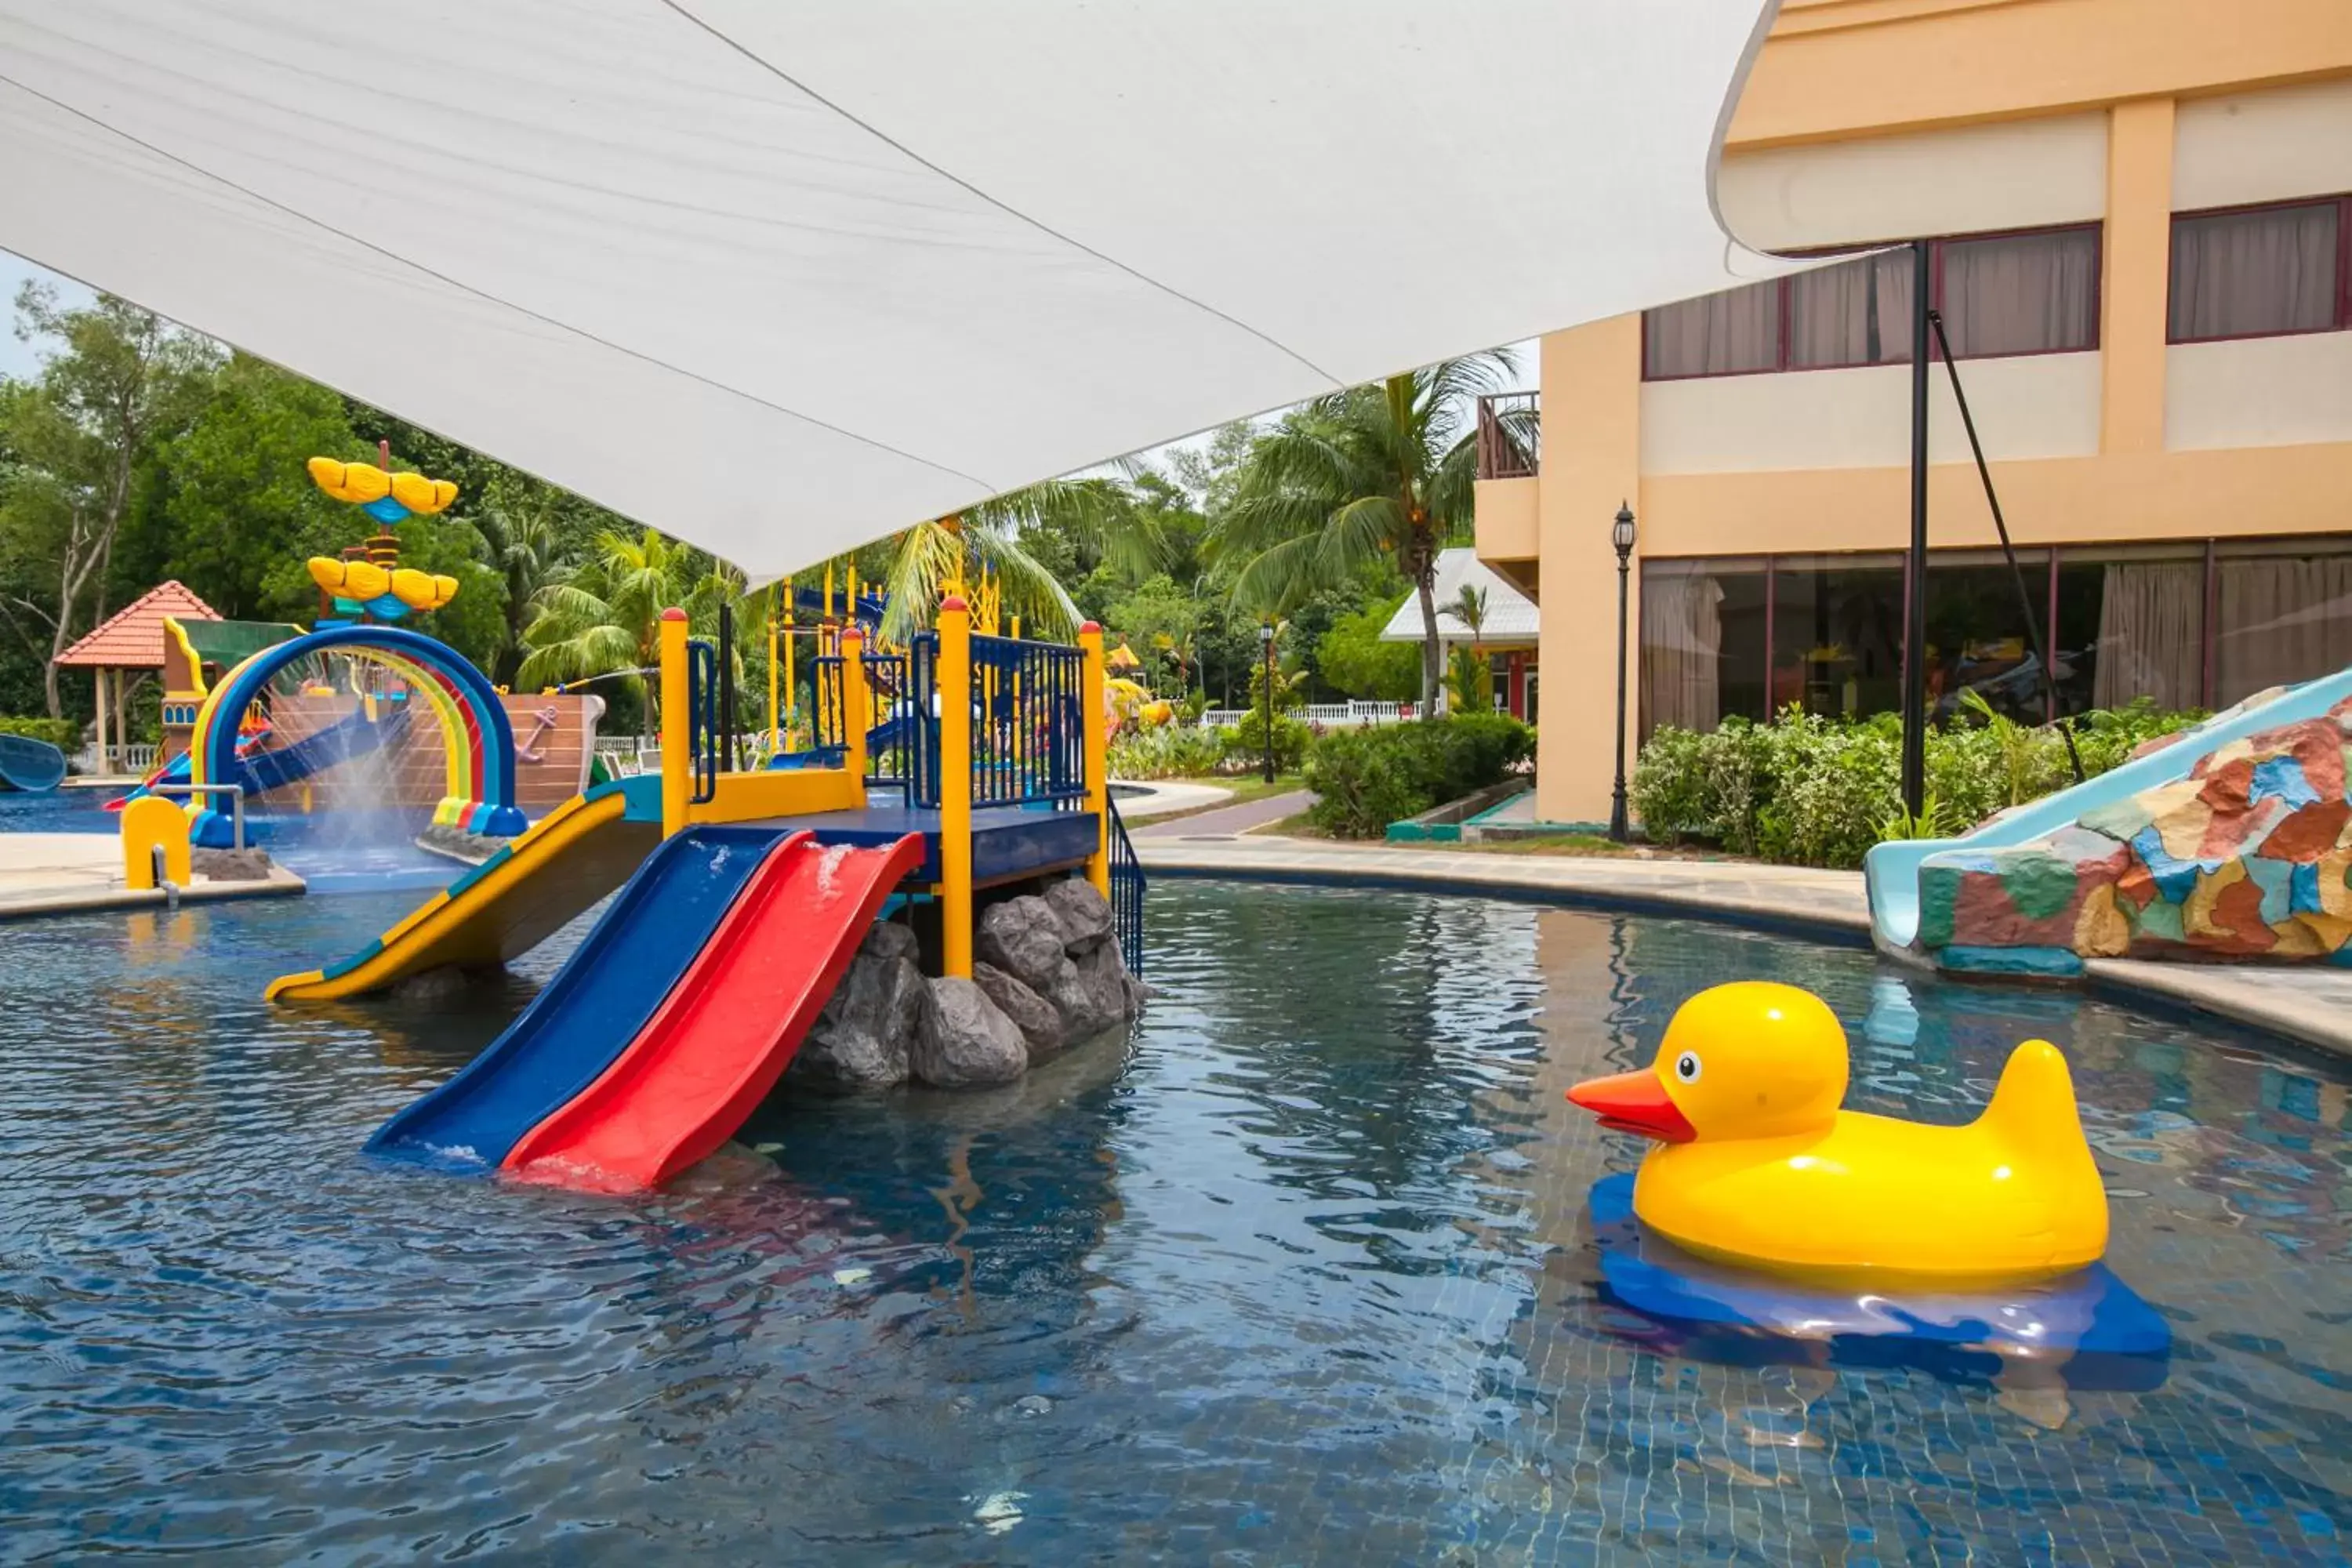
(1686, 1066)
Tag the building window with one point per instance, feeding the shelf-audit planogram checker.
(2187, 624)
(2034, 292)
(2261, 271)
(1730, 333)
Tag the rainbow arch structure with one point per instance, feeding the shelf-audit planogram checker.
(477, 743)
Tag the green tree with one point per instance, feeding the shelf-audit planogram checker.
(1375, 472)
(1469, 681)
(1354, 659)
(605, 618)
(119, 382)
(1161, 622)
(238, 504)
(525, 543)
(924, 560)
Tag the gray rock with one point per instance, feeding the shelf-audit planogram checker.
(1093, 999)
(971, 1042)
(889, 939)
(1085, 915)
(1039, 1023)
(864, 1038)
(433, 985)
(250, 864)
(1023, 937)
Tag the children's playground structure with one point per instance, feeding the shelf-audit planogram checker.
(922, 778)
(961, 764)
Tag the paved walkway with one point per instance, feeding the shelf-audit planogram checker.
(1164, 796)
(59, 873)
(2308, 1003)
(1228, 820)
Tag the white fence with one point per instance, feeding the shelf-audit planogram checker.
(1330, 715)
(627, 756)
(118, 761)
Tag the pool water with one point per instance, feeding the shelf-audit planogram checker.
(1300, 1275)
(333, 852)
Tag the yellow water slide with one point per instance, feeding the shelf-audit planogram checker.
(510, 902)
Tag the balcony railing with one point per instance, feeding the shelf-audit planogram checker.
(1510, 436)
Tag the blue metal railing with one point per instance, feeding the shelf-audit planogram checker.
(702, 708)
(1028, 743)
(1127, 889)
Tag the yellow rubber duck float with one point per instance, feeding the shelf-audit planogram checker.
(1756, 1166)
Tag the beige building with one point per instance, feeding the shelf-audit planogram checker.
(2141, 213)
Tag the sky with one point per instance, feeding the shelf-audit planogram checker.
(20, 359)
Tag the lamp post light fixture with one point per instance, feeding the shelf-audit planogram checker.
(1265, 644)
(1621, 536)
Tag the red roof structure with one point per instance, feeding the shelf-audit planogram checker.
(132, 638)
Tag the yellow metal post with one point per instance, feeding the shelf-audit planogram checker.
(792, 681)
(149, 823)
(953, 673)
(854, 705)
(676, 724)
(775, 712)
(1097, 730)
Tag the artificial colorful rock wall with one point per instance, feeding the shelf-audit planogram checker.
(2243, 856)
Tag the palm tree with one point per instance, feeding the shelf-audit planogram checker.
(528, 552)
(1468, 683)
(927, 558)
(1383, 470)
(605, 618)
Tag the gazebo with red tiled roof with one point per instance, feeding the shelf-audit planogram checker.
(131, 638)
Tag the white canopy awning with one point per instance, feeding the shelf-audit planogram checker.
(781, 276)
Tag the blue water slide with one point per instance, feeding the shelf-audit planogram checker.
(355, 735)
(33, 766)
(1891, 871)
(597, 1003)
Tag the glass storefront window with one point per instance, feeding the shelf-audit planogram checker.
(2131, 622)
(1702, 642)
(2282, 618)
(1838, 634)
(1978, 636)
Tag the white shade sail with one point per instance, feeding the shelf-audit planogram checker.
(780, 278)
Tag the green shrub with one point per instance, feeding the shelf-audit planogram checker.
(1833, 784)
(1669, 785)
(1819, 792)
(1367, 778)
(1244, 743)
(1169, 752)
(65, 734)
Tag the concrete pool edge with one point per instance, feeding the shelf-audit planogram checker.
(280, 884)
(2310, 1006)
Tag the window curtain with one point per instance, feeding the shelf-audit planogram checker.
(1718, 334)
(1857, 313)
(1682, 651)
(2244, 274)
(2151, 635)
(2024, 293)
(2282, 620)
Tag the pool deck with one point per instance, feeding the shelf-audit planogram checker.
(2309, 1003)
(67, 873)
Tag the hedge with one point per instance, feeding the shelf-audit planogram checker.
(65, 734)
(1812, 791)
(1369, 777)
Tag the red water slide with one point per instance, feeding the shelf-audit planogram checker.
(729, 1028)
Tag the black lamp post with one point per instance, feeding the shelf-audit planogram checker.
(1266, 642)
(1621, 536)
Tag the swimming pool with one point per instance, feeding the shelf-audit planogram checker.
(1298, 1276)
(333, 852)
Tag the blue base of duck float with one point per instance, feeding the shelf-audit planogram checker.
(2089, 1329)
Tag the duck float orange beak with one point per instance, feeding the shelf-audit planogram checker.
(1758, 1167)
